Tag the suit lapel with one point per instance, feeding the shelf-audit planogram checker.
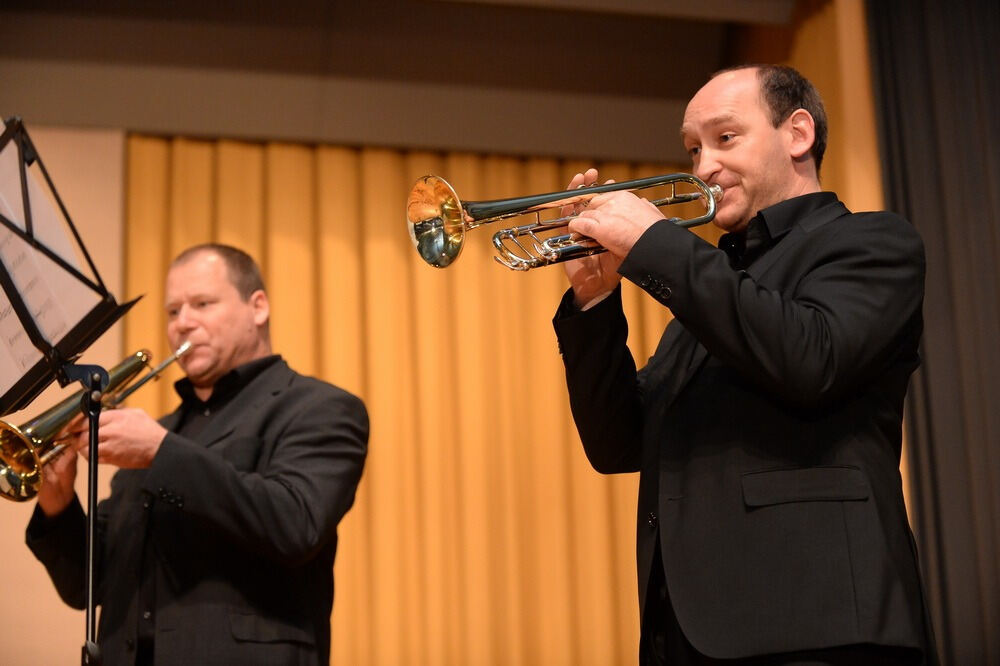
(171, 421)
(218, 428)
(678, 357)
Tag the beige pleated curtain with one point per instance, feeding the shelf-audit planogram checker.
(480, 534)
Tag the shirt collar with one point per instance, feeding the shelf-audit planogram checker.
(228, 385)
(769, 226)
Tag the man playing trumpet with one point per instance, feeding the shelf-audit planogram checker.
(767, 425)
(217, 543)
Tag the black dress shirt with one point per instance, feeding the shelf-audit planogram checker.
(768, 227)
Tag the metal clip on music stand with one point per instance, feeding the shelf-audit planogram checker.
(53, 306)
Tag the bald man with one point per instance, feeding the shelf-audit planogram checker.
(766, 427)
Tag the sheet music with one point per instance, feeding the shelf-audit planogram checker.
(56, 299)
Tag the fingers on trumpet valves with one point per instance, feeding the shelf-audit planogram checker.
(585, 179)
(56, 452)
(579, 181)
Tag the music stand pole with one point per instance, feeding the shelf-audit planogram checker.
(94, 379)
(91, 655)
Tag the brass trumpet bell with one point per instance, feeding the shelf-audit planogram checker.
(436, 221)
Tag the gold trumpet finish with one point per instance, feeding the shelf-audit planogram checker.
(437, 219)
(25, 449)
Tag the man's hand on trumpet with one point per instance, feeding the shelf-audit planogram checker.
(59, 475)
(615, 220)
(127, 438)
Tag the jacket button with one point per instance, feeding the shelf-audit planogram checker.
(651, 519)
(129, 644)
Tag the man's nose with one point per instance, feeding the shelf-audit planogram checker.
(708, 166)
(183, 321)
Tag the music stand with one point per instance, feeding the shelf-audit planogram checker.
(53, 306)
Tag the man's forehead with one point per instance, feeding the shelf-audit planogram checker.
(197, 275)
(183, 290)
(723, 100)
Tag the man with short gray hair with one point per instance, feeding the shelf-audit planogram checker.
(217, 543)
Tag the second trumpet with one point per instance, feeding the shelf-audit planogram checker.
(25, 449)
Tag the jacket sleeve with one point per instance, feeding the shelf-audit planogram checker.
(59, 544)
(604, 388)
(288, 506)
(852, 305)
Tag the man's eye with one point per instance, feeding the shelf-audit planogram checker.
(726, 138)
(693, 151)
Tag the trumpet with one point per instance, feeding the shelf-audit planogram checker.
(25, 449)
(437, 219)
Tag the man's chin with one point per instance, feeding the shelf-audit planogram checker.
(731, 217)
(729, 224)
(731, 214)
(197, 375)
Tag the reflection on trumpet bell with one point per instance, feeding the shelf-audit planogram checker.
(437, 219)
(26, 449)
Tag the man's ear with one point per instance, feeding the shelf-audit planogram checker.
(801, 133)
(261, 307)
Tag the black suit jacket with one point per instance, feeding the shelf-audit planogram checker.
(242, 522)
(767, 431)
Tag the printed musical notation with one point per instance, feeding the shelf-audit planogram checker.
(39, 296)
(55, 299)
